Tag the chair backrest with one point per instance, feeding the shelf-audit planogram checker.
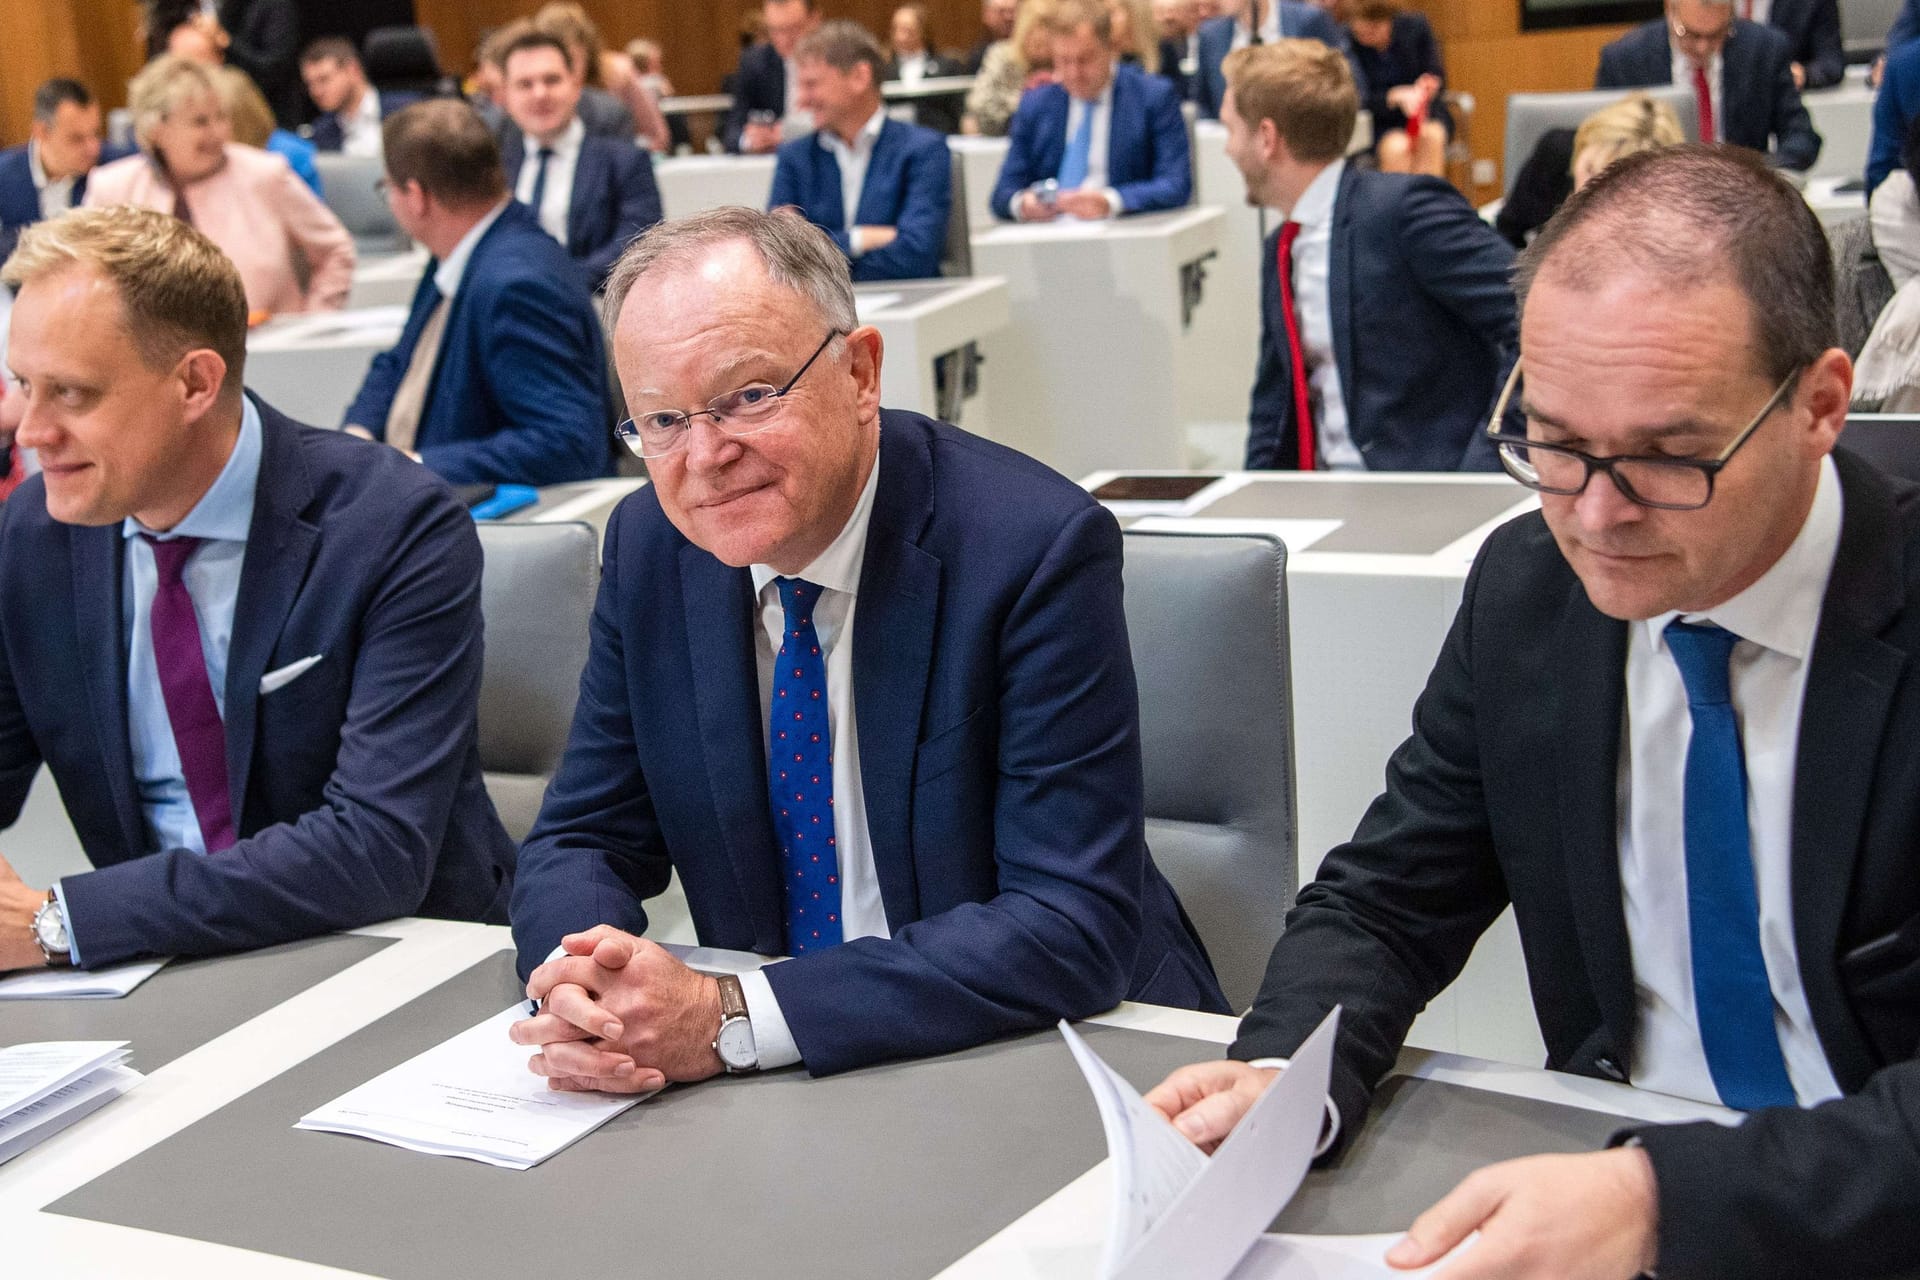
(1207, 618)
(956, 255)
(1861, 285)
(536, 593)
(350, 187)
(403, 58)
(1864, 25)
(1890, 441)
(1531, 114)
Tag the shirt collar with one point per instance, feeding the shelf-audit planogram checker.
(863, 141)
(1314, 208)
(565, 146)
(447, 275)
(1781, 611)
(369, 108)
(34, 166)
(225, 511)
(1683, 65)
(838, 567)
(1105, 100)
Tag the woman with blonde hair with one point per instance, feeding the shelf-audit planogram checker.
(1564, 160)
(1136, 36)
(1011, 67)
(292, 253)
(608, 72)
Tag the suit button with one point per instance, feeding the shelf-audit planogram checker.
(1610, 1069)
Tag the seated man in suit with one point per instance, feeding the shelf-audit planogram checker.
(1812, 29)
(1105, 139)
(1671, 728)
(965, 862)
(1741, 74)
(351, 110)
(1217, 37)
(1386, 319)
(996, 24)
(882, 189)
(47, 175)
(592, 194)
(248, 650)
(500, 374)
(765, 108)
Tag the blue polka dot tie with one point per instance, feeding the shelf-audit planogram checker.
(800, 776)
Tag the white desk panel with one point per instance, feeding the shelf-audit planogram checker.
(693, 184)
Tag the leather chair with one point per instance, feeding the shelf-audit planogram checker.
(1207, 618)
(404, 59)
(1531, 114)
(350, 187)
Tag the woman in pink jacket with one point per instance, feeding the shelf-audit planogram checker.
(292, 252)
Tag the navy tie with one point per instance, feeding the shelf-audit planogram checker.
(800, 775)
(539, 195)
(1732, 997)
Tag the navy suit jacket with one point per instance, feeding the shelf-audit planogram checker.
(1759, 106)
(1424, 328)
(909, 186)
(1894, 107)
(1906, 27)
(357, 787)
(614, 199)
(325, 133)
(1307, 21)
(758, 84)
(1812, 29)
(519, 394)
(20, 199)
(999, 755)
(1149, 161)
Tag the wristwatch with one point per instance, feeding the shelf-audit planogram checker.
(734, 1041)
(50, 931)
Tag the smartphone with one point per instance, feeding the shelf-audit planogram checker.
(1152, 488)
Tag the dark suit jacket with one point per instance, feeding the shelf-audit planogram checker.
(1906, 26)
(1539, 189)
(1894, 107)
(20, 199)
(1423, 327)
(357, 788)
(614, 199)
(759, 84)
(325, 133)
(1412, 51)
(1759, 106)
(999, 755)
(265, 43)
(939, 114)
(909, 186)
(1216, 41)
(1812, 29)
(1505, 793)
(1149, 161)
(519, 394)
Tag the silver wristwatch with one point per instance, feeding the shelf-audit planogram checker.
(734, 1041)
(50, 931)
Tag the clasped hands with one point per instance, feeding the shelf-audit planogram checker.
(1087, 205)
(619, 1015)
(19, 904)
(1556, 1217)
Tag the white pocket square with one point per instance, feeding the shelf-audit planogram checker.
(287, 675)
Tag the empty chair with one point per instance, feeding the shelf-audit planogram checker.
(1529, 115)
(404, 58)
(350, 185)
(1207, 617)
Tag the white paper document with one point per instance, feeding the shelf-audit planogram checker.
(472, 1097)
(1290, 1257)
(46, 1087)
(109, 983)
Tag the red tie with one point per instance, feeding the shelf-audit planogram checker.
(1296, 357)
(1703, 94)
(1746, 10)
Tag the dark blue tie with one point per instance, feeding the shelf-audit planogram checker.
(800, 775)
(1733, 999)
(540, 182)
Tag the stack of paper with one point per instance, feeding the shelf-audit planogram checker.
(471, 1097)
(46, 1087)
(79, 984)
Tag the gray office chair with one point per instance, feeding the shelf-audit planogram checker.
(1207, 616)
(536, 592)
(956, 255)
(351, 187)
(1530, 115)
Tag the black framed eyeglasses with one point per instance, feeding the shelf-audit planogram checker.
(744, 412)
(1665, 484)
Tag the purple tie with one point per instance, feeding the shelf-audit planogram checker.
(198, 733)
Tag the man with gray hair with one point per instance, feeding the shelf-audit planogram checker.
(863, 680)
(1673, 728)
(47, 175)
(881, 189)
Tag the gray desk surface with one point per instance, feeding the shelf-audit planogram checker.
(190, 1002)
(1410, 517)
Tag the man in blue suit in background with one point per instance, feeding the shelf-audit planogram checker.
(861, 678)
(592, 194)
(351, 109)
(248, 650)
(500, 373)
(881, 189)
(1105, 139)
(1383, 345)
(1279, 20)
(47, 175)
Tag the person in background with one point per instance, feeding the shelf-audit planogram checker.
(1887, 374)
(47, 174)
(485, 88)
(1895, 107)
(291, 250)
(1397, 59)
(250, 123)
(882, 189)
(649, 64)
(351, 109)
(1234, 29)
(764, 112)
(1013, 67)
(1565, 160)
(1812, 29)
(997, 18)
(200, 40)
(263, 40)
(604, 70)
(600, 112)
(912, 57)
(1178, 22)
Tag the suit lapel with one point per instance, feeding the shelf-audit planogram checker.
(586, 180)
(1053, 139)
(826, 185)
(1340, 295)
(1123, 142)
(871, 209)
(98, 570)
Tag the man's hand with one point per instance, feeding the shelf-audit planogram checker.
(18, 906)
(1206, 1100)
(1583, 1217)
(1031, 208)
(1799, 75)
(621, 1016)
(1088, 206)
(758, 139)
(872, 238)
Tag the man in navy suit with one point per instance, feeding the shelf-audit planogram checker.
(47, 175)
(592, 194)
(248, 650)
(1812, 29)
(765, 107)
(1741, 74)
(1384, 345)
(862, 679)
(882, 189)
(1220, 36)
(1105, 139)
(351, 110)
(500, 373)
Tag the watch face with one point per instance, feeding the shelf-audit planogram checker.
(51, 928)
(735, 1044)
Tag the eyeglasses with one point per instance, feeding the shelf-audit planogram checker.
(1666, 484)
(745, 412)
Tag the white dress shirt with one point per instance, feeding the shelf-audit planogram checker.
(1756, 10)
(453, 267)
(794, 123)
(360, 129)
(1313, 304)
(853, 161)
(913, 68)
(56, 194)
(862, 912)
(1683, 78)
(557, 200)
(1776, 619)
